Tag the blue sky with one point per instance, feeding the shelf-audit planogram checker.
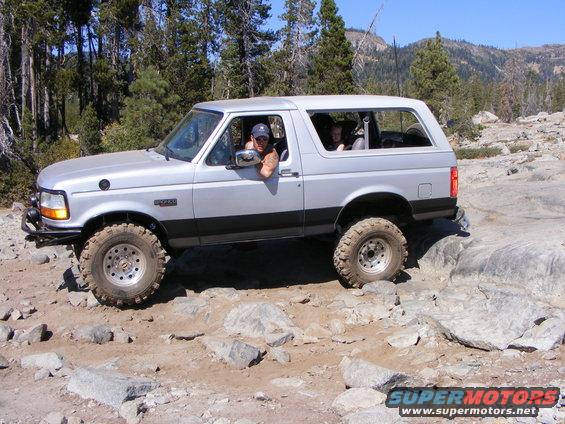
(499, 23)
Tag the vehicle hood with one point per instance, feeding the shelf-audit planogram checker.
(123, 170)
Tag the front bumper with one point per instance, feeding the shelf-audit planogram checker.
(43, 235)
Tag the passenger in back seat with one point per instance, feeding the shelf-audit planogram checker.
(338, 142)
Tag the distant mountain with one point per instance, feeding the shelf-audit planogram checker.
(548, 61)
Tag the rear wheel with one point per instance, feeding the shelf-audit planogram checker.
(123, 264)
(371, 249)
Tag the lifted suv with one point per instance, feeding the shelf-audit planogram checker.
(124, 211)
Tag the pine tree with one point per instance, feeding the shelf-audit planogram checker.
(188, 43)
(474, 88)
(511, 89)
(246, 45)
(434, 78)
(297, 39)
(148, 115)
(332, 70)
(89, 131)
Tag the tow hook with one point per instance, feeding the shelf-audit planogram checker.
(461, 219)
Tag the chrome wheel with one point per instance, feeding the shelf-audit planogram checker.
(124, 264)
(374, 255)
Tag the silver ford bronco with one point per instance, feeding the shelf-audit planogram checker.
(124, 212)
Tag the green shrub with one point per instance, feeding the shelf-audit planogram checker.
(477, 153)
(16, 184)
(63, 149)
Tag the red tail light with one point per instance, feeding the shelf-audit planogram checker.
(454, 182)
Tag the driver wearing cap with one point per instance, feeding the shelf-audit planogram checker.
(260, 141)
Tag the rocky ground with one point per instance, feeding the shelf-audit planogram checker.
(266, 334)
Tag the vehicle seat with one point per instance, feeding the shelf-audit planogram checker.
(358, 144)
(283, 155)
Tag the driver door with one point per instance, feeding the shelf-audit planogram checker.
(238, 204)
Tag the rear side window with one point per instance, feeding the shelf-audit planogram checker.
(369, 129)
(400, 128)
(238, 134)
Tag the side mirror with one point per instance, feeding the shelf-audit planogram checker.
(247, 157)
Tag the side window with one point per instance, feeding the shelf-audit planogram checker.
(337, 130)
(400, 128)
(230, 141)
(238, 134)
(365, 129)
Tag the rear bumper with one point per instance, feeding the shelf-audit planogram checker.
(461, 219)
(42, 235)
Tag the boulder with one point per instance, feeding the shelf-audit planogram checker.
(5, 312)
(256, 319)
(365, 313)
(381, 287)
(234, 352)
(278, 339)
(357, 398)
(539, 267)
(360, 373)
(4, 363)
(228, 293)
(76, 298)
(48, 360)
(5, 333)
(484, 117)
(39, 258)
(107, 386)
(280, 355)
(242, 355)
(377, 414)
(190, 306)
(54, 418)
(347, 339)
(120, 336)
(489, 318)
(98, 334)
(545, 336)
(336, 327)
(132, 411)
(188, 336)
(91, 301)
(37, 333)
(42, 374)
(404, 338)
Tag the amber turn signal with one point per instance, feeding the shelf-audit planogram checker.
(54, 213)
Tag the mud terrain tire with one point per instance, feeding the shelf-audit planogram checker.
(123, 264)
(371, 249)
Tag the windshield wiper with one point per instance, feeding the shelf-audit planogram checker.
(168, 151)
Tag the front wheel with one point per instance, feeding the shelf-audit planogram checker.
(123, 264)
(371, 249)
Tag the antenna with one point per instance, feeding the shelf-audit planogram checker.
(397, 79)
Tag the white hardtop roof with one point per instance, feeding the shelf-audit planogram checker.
(321, 103)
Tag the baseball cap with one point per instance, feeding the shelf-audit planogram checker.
(260, 130)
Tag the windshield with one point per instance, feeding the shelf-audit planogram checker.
(188, 137)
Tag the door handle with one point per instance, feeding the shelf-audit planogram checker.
(288, 173)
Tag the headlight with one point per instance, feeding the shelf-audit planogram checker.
(53, 205)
